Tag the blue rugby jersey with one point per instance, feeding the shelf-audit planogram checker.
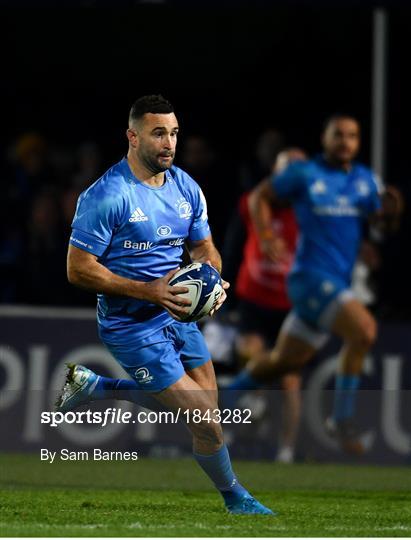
(137, 232)
(330, 205)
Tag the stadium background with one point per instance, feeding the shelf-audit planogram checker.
(232, 70)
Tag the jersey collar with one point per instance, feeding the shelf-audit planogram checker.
(320, 158)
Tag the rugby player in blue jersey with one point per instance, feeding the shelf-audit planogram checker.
(127, 241)
(332, 196)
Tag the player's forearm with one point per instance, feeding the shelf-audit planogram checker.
(207, 252)
(259, 203)
(97, 278)
(388, 217)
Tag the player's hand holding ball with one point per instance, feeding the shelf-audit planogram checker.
(223, 295)
(206, 289)
(173, 299)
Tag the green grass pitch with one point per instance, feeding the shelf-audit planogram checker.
(152, 497)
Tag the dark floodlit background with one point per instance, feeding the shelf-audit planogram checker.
(246, 78)
(232, 70)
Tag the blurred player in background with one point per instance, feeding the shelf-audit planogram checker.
(126, 244)
(332, 196)
(263, 302)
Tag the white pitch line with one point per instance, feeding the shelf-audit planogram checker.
(196, 525)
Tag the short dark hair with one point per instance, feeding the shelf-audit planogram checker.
(339, 116)
(155, 104)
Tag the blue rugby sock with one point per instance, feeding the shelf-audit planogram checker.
(345, 393)
(123, 389)
(218, 468)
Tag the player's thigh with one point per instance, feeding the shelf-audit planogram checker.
(290, 353)
(191, 345)
(204, 376)
(250, 344)
(292, 349)
(354, 323)
(195, 356)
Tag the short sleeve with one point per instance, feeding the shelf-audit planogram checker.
(290, 182)
(97, 215)
(200, 228)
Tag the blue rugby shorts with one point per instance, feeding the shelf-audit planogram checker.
(161, 359)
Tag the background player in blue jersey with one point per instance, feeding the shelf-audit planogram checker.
(332, 196)
(126, 244)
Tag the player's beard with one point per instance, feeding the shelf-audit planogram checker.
(152, 162)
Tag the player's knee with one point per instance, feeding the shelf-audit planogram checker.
(274, 358)
(367, 335)
(370, 333)
(284, 363)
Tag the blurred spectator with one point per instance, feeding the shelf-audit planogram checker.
(68, 202)
(44, 259)
(88, 165)
(70, 296)
(199, 159)
(11, 254)
(269, 143)
(62, 162)
(27, 171)
(35, 220)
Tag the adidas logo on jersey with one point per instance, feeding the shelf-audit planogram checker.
(138, 215)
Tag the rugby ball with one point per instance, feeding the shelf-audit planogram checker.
(204, 288)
